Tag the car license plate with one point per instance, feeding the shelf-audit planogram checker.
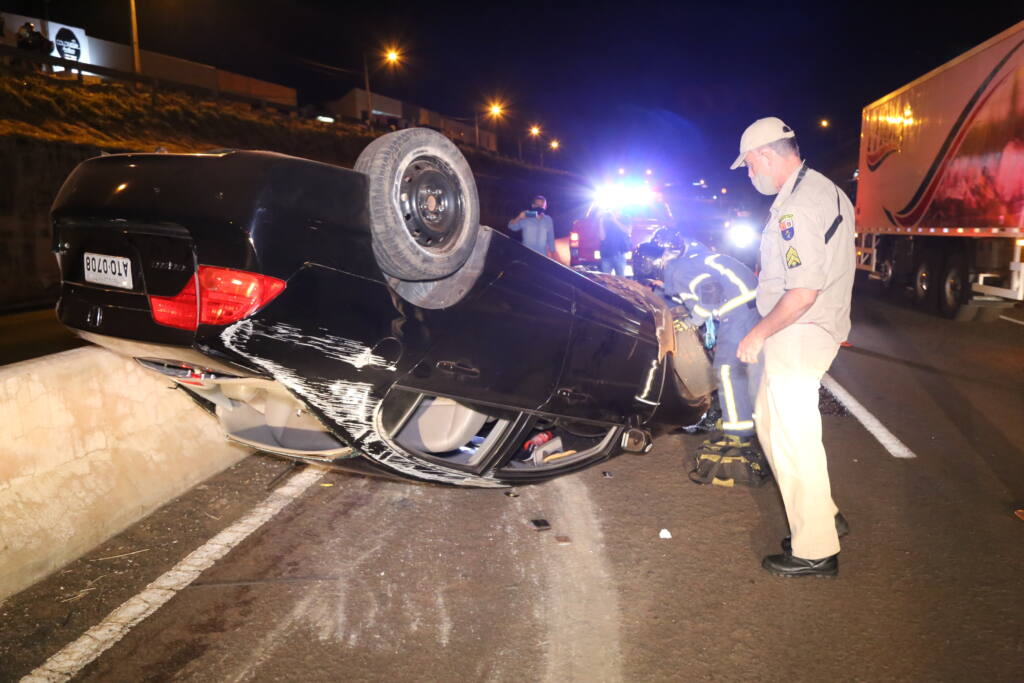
(115, 271)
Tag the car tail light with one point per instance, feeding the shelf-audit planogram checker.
(181, 310)
(574, 239)
(225, 296)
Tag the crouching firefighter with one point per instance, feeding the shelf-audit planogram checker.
(718, 292)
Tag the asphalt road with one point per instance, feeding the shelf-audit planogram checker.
(362, 579)
(30, 334)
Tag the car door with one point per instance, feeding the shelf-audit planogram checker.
(506, 345)
(612, 370)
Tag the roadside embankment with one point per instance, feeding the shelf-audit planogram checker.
(89, 444)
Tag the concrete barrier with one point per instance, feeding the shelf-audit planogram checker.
(89, 444)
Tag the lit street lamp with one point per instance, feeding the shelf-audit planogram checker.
(391, 57)
(824, 123)
(534, 133)
(495, 110)
(554, 146)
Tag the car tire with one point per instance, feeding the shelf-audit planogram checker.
(954, 287)
(447, 291)
(423, 204)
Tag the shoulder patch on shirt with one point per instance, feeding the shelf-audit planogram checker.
(786, 227)
(792, 258)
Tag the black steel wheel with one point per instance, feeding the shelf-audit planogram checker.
(424, 209)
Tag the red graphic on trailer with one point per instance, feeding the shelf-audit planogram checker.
(979, 177)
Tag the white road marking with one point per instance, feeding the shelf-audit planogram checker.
(581, 600)
(94, 642)
(896, 448)
(1012, 320)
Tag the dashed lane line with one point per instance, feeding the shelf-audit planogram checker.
(896, 448)
(97, 640)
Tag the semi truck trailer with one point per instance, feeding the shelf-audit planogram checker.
(940, 188)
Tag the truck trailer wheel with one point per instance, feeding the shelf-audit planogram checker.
(954, 287)
(424, 209)
(886, 273)
(926, 281)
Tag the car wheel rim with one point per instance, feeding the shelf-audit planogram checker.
(430, 200)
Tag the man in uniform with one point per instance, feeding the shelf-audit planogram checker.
(718, 291)
(803, 294)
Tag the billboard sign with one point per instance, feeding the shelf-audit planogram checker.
(69, 42)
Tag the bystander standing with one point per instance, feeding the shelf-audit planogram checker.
(614, 243)
(537, 227)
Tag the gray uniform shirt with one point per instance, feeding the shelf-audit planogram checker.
(794, 253)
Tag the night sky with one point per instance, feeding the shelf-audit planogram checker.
(668, 86)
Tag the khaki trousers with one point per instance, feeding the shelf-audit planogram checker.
(789, 428)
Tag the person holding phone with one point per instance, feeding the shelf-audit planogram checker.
(537, 227)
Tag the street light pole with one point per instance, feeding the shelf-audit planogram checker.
(136, 62)
(534, 133)
(369, 95)
(495, 109)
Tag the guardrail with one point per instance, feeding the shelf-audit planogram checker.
(22, 60)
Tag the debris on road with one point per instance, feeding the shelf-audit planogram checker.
(563, 540)
(665, 533)
(114, 557)
(540, 524)
(292, 466)
(512, 494)
(77, 596)
(607, 475)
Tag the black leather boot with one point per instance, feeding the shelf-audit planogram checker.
(789, 566)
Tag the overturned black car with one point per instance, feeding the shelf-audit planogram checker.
(363, 318)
